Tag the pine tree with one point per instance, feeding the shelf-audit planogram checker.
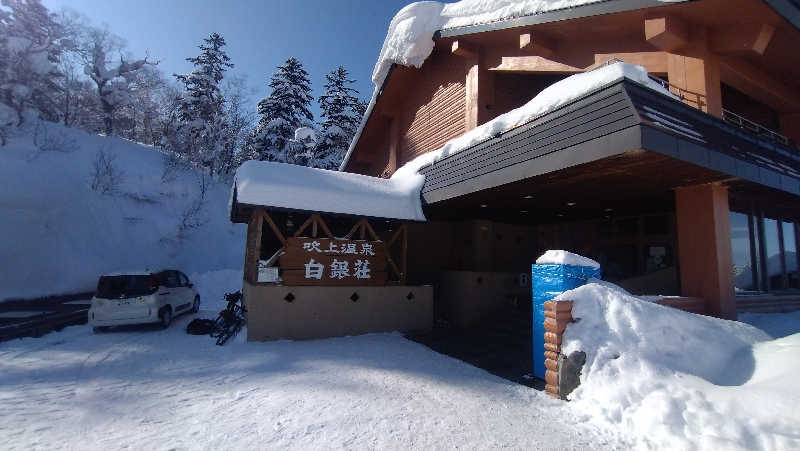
(282, 112)
(201, 108)
(341, 115)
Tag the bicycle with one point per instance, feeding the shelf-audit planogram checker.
(231, 319)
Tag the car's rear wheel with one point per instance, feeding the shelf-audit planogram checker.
(166, 317)
(196, 304)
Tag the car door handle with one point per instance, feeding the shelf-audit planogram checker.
(166, 292)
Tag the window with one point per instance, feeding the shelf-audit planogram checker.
(740, 247)
(790, 251)
(172, 279)
(764, 253)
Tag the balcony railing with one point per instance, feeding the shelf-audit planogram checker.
(698, 100)
(751, 126)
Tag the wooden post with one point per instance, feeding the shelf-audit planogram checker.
(253, 250)
(704, 242)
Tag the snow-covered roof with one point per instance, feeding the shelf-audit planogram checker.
(556, 95)
(409, 40)
(561, 257)
(288, 186)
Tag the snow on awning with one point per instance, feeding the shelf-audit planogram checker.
(293, 187)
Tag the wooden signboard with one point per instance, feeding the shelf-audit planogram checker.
(326, 261)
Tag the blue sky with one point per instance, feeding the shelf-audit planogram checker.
(259, 34)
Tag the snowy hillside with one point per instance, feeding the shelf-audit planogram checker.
(57, 234)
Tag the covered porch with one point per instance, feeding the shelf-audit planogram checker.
(641, 183)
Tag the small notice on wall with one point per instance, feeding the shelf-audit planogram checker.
(267, 273)
(325, 261)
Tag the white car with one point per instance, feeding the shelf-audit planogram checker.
(141, 297)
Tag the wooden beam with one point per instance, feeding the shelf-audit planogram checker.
(666, 33)
(537, 43)
(461, 48)
(371, 231)
(532, 64)
(305, 225)
(253, 249)
(471, 88)
(742, 39)
(654, 62)
(759, 85)
(274, 228)
(353, 230)
(324, 226)
(404, 256)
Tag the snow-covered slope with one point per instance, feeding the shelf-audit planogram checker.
(680, 380)
(57, 235)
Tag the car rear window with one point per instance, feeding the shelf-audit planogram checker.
(116, 287)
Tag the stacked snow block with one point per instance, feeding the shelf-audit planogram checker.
(557, 314)
(548, 281)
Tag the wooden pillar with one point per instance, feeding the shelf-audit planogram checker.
(700, 75)
(479, 86)
(253, 249)
(704, 247)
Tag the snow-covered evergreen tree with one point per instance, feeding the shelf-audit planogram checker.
(201, 110)
(341, 115)
(282, 112)
(30, 46)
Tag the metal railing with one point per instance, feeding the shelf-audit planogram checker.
(698, 100)
(741, 122)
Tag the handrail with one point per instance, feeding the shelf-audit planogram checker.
(742, 122)
(727, 115)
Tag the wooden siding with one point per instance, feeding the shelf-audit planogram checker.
(598, 115)
(439, 90)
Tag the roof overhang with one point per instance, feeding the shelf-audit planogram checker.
(294, 188)
(575, 12)
(620, 119)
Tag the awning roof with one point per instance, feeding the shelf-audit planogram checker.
(619, 118)
(298, 188)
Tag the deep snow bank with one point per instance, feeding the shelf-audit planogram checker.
(681, 380)
(57, 235)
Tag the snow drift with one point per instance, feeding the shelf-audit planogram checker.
(680, 380)
(57, 235)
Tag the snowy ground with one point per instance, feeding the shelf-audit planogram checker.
(145, 388)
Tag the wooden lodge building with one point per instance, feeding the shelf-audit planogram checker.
(694, 196)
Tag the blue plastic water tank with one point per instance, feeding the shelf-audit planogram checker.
(547, 282)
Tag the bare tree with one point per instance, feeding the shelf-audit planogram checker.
(105, 177)
(111, 78)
